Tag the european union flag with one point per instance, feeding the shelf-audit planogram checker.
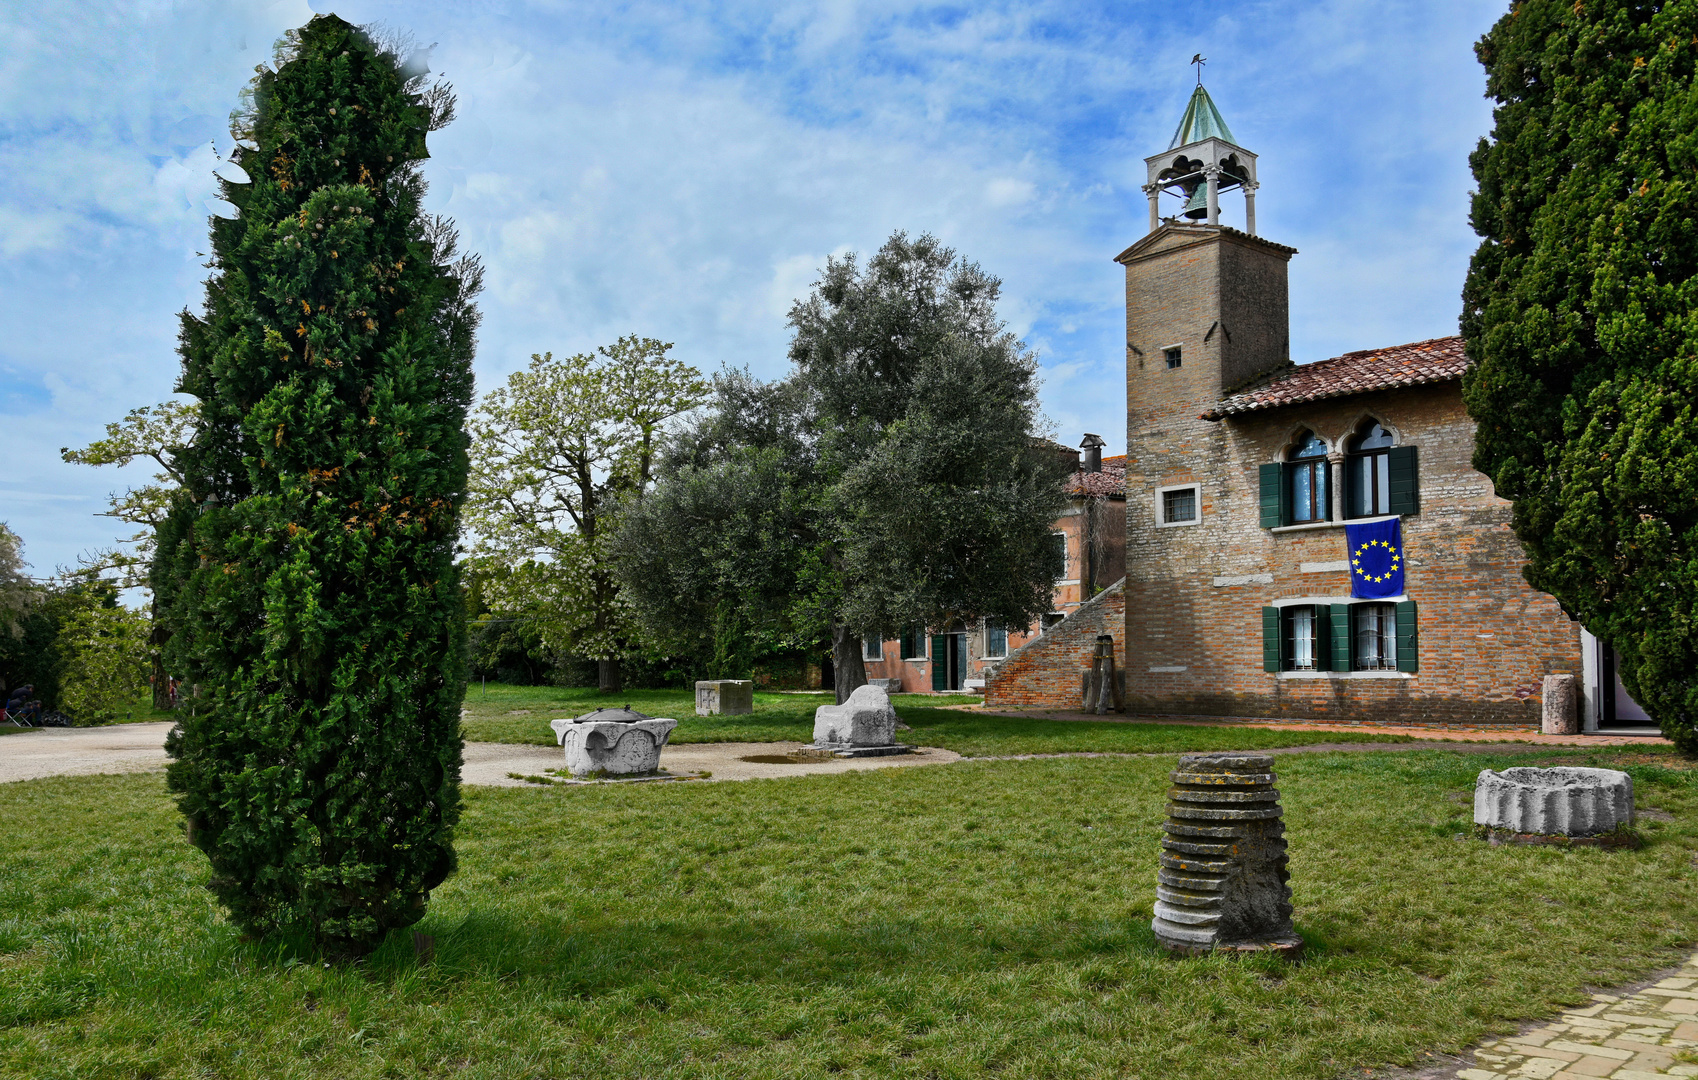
(1376, 558)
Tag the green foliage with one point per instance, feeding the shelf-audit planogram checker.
(1581, 317)
(105, 649)
(306, 569)
(555, 451)
(891, 479)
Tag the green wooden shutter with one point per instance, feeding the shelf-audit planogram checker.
(1272, 654)
(1404, 476)
(940, 663)
(1340, 618)
(1273, 495)
(1408, 637)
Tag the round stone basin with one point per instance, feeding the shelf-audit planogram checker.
(613, 742)
(1560, 801)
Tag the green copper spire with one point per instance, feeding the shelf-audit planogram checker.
(1201, 121)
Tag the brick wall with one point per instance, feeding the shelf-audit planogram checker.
(1194, 594)
(1045, 672)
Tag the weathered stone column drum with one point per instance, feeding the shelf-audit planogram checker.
(1222, 882)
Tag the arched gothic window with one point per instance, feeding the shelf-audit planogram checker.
(1308, 478)
(1367, 472)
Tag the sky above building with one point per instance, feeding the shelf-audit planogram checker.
(683, 170)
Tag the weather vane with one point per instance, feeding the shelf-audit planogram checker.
(1199, 60)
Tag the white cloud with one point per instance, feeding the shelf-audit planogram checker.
(680, 170)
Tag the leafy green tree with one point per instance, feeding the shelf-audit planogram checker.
(105, 649)
(556, 449)
(156, 432)
(1581, 318)
(306, 572)
(18, 594)
(893, 478)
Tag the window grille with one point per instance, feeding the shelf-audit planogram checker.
(1376, 637)
(1179, 505)
(1172, 356)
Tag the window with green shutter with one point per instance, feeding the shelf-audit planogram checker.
(1340, 627)
(1271, 653)
(1403, 480)
(1272, 481)
(1408, 638)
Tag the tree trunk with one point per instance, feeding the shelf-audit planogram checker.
(849, 673)
(607, 676)
(156, 639)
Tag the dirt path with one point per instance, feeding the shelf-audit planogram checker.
(119, 748)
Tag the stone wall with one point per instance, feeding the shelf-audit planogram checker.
(1046, 671)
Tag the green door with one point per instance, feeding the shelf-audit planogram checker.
(940, 662)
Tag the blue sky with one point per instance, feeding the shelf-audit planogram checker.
(682, 170)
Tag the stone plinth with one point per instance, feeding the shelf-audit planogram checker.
(889, 686)
(863, 726)
(1563, 801)
(1559, 715)
(725, 697)
(1222, 882)
(612, 742)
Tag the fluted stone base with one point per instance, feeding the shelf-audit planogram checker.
(1222, 880)
(1562, 801)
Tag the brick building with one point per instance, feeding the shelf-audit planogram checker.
(1243, 474)
(1091, 534)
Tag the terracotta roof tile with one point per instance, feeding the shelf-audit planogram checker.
(1111, 481)
(1436, 360)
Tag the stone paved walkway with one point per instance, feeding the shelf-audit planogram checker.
(1651, 1033)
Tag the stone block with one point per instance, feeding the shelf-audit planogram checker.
(1560, 715)
(866, 719)
(1222, 883)
(1562, 801)
(725, 697)
(889, 686)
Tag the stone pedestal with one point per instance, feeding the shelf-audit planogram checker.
(1103, 687)
(1564, 801)
(889, 686)
(725, 697)
(1559, 715)
(863, 726)
(1222, 882)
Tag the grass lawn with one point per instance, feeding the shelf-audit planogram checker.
(985, 918)
(778, 717)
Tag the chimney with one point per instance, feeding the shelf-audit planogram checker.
(1093, 452)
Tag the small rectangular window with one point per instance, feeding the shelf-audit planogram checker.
(996, 640)
(872, 648)
(1172, 356)
(1052, 618)
(1179, 506)
(913, 644)
(1059, 540)
(1376, 637)
(1300, 639)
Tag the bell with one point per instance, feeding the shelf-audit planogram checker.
(1197, 206)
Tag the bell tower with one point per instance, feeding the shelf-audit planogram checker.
(1202, 161)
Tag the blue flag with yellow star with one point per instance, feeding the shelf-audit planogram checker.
(1376, 558)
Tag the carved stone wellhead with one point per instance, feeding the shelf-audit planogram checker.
(1222, 882)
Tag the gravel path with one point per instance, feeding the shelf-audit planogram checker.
(126, 748)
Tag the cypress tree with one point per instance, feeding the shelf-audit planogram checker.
(307, 573)
(1581, 319)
